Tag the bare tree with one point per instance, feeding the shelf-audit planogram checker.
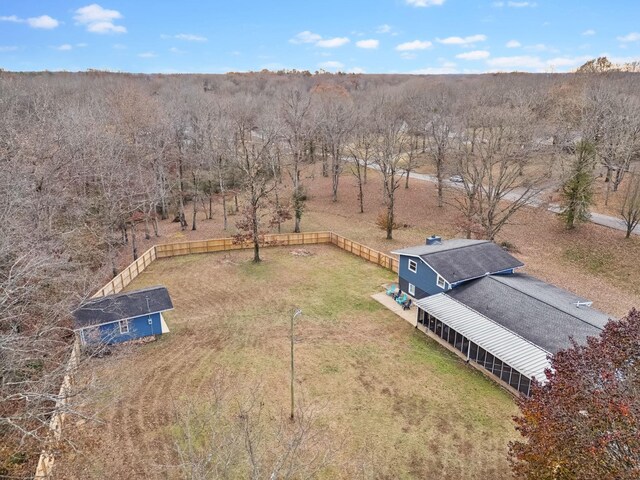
(612, 123)
(438, 123)
(494, 151)
(336, 124)
(295, 115)
(391, 143)
(254, 158)
(235, 437)
(630, 209)
(361, 150)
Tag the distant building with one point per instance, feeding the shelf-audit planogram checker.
(470, 297)
(122, 317)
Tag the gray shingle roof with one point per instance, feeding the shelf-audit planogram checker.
(123, 305)
(461, 259)
(542, 313)
(439, 247)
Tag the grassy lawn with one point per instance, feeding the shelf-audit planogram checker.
(391, 402)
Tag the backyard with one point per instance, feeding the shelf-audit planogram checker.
(382, 400)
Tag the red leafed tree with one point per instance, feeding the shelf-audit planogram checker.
(584, 422)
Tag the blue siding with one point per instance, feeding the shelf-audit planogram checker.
(424, 279)
(110, 333)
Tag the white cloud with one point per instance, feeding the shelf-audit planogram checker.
(176, 50)
(408, 55)
(119, 46)
(367, 43)
(98, 20)
(425, 3)
(306, 37)
(64, 47)
(318, 41)
(513, 44)
(383, 28)
(82, 45)
(631, 37)
(147, 55)
(11, 18)
(331, 65)
(588, 33)
(190, 37)
(462, 40)
(415, 45)
(43, 21)
(8, 48)
(475, 55)
(356, 70)
(332, 42)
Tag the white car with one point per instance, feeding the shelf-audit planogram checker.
(456, 178)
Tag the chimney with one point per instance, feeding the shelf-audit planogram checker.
(434, 240)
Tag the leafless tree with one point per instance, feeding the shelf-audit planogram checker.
(233, 437)
(437, 119)
(390, 145)
(630, 209)
(255, 150)
(494, 151)
(612, 123)
(336, 124)
(295, 115)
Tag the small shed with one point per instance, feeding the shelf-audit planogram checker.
(122, 317)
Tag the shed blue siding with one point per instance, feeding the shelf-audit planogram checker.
(424, 279)
(110, 333)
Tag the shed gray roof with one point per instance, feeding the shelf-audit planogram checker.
(461, 259)
(526, 357)
(121, 306)
(542, 313)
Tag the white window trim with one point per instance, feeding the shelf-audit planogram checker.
(415, 268)
(124, 326)
(441, 282)
(412, 289)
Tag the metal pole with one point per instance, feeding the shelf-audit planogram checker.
(293, 317)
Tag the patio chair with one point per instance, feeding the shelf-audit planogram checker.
(391, 290)
(407, 305)
(402, 298)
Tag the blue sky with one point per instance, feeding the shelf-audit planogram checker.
(383, 36)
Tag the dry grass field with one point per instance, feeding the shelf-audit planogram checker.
(390, 403)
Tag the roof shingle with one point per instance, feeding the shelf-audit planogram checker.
(123, 305)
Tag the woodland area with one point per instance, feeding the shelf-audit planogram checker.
(92, 161)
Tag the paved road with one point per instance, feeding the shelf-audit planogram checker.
(597, 218)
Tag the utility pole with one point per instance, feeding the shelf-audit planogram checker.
(293, 317)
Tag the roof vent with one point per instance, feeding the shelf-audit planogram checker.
(434, 240)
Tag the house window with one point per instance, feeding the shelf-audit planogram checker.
(441, 282)
(412, 289)
(413, 267)
(124, 326)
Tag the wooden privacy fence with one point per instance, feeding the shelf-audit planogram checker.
(167, 250)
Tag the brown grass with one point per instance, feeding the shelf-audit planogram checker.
(399, 405)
